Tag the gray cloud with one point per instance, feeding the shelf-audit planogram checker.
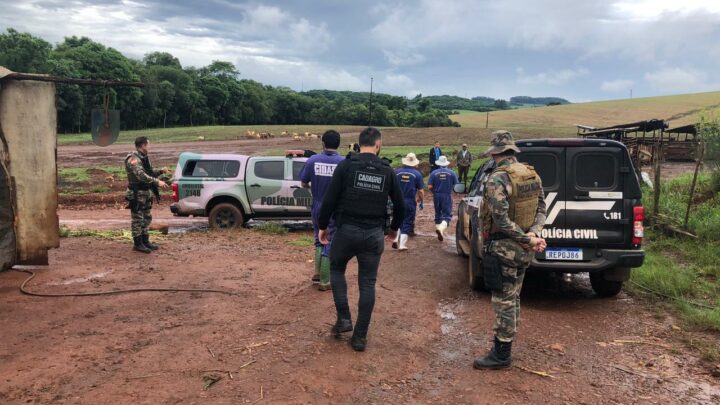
(575, 49)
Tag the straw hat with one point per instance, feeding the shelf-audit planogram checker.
(442, 161)
(410, 160)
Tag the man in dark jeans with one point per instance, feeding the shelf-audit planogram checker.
(357, 200)
(435, 153)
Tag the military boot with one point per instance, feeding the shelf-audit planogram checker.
(341, 326)
(318, 258)
(499, 357)
(146, 242)
(324, 274)
(358, 343)
(139, 246)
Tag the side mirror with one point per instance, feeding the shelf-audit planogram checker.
(459, 188)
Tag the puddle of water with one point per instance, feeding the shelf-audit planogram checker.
(181, 229)
(293, 225)
(446, 315)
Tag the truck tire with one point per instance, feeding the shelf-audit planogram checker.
(474, 264)
(459, 233)
(225, 216)
(602, 287)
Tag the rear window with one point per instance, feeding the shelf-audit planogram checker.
(595, 170)
(211, 168)
(273, 170)
(297, 168)
(546, 165)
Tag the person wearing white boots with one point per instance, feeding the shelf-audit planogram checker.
(441, 183)
(411, 185)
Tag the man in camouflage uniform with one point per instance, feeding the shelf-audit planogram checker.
(142, 182)
(513, 215)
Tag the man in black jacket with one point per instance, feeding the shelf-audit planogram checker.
(357, 200)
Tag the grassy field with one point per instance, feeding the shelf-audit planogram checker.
(560, 120)
(682, 270)
(166, 135)
(396, 153)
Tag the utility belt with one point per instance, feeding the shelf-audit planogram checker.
(139, 187)
(133, 202)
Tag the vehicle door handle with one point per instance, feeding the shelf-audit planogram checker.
(582, 198)
(255, 185)
(295, 187)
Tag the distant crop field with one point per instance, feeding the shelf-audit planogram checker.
(210, 133)
(560, 120)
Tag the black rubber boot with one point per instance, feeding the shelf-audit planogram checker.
(499, 357)
(146, 242)
(358, 343)
(139, 246)
(341, 326)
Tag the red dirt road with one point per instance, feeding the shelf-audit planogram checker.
(269, 341)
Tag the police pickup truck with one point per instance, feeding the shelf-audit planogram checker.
(230, 189)
(594, 214)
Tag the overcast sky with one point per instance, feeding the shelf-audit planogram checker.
(581, 50)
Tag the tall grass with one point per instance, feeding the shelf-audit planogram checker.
(684, 270)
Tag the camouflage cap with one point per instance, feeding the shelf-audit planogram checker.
(500, 142)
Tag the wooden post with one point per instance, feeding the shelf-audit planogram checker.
(692, 186)
(487, 118)
(656, 186)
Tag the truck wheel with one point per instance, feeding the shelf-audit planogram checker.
(602, 287)
(474, 270)
(459, 234)
(225, 216)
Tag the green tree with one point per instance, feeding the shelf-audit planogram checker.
(22, 52)
(81, 57)
(501, 104)
(161, 59)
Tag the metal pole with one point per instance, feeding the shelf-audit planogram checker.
(658, 166)
(370, 106)
(70, 80)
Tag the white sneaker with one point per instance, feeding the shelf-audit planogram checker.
(403, 242)
(439, 230)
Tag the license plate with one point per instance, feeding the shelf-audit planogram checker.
(563, 254)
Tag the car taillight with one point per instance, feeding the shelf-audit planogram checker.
(176, 194)
(638, 229)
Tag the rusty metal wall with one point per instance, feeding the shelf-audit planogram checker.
(28, 125)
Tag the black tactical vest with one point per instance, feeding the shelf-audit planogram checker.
(365, 195)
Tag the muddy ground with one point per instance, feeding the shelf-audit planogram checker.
(166, 154)
(268, 341)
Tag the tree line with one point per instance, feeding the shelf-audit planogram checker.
(482, 104)
(175, 95)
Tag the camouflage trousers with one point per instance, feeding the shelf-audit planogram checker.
(506, 303)
(140, 212)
